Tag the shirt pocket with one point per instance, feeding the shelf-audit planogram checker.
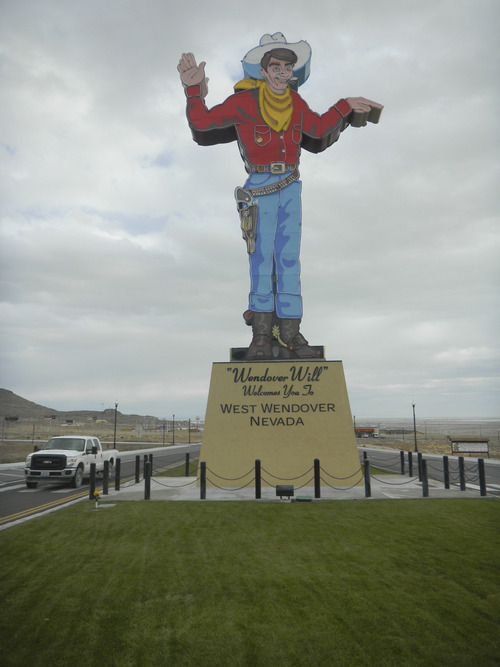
(297, 134)
(262, 135)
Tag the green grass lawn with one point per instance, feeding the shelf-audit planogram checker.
(227, 583)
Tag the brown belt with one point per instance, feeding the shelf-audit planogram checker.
(271, 168)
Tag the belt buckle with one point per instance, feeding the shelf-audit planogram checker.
(277, 167)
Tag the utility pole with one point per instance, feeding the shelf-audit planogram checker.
(114, 435)
(414, 427)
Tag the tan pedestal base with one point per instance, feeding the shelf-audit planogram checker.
(284, 413)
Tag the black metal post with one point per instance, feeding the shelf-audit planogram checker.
(425, 480)
(461, 472)
(258, 480)
(410, 464)
(419, 459)
(365, 455)
(446, 472)
(482, 477)
(137, 469)
(189, 430)
(187, 466)
(402, 461)
(105, 479)
(414, 427)
(147, 480)
(92, 481)
(317, 479)
(173, 429)
(203, 480)
(368, 486)
(118, 467)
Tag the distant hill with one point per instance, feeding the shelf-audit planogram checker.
(12, 405)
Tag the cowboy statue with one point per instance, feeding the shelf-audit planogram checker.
(271, 123)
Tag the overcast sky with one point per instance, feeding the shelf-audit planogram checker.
(124, 275)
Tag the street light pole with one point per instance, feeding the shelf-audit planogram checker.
(173, 429)
(414, 426)
(114, 435)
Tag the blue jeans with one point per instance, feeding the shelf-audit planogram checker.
(278, 238)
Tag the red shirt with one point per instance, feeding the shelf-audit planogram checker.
(238, 119)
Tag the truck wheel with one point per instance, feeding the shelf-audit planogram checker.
(76, 482)
(31, 485)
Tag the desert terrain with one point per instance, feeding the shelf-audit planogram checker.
(25, 424)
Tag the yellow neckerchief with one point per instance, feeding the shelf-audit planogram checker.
(276, 110)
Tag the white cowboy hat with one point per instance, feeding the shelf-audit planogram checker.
(301, 70)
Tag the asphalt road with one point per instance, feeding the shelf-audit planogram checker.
(19, 502)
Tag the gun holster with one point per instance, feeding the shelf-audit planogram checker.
(247, 210)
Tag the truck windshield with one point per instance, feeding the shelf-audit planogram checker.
(70, 444)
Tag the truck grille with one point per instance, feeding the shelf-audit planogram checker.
(48, 462)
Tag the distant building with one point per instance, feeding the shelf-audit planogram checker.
(366, 432)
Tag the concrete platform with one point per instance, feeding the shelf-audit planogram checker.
(185, 488)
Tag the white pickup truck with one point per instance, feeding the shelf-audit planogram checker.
(67, 459)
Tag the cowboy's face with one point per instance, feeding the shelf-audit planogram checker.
(277, 75)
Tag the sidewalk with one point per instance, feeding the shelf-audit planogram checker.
(185, 488)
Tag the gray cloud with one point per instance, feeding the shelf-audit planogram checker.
(124, 273)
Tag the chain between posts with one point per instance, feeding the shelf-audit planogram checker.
(383, 481)
(235, 488)
(318, 478)
(333, 477)
(287, 479)
(176, 486)
(230, 479)
(343, 488)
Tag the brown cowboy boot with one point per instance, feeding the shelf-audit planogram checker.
(296, 344)
(260, 347)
